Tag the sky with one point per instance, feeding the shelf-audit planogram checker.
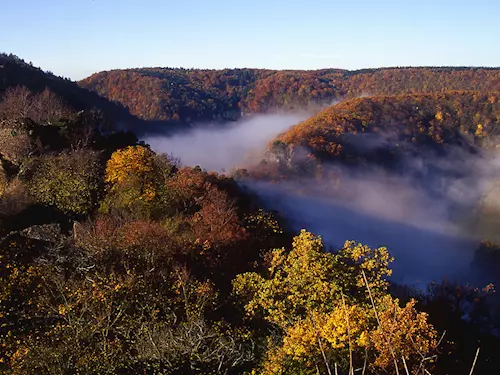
(75, 38)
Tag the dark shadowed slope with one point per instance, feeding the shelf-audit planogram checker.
(16, 72)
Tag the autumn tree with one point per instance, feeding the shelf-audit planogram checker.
(135, 177)
(216, 222)
(185, 189)
(331, 308)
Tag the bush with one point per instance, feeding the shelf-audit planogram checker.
(69, 181)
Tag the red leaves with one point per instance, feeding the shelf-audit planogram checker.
(217, 221)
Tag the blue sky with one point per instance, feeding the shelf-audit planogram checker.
(75, 38)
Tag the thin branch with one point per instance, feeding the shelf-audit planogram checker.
(321, 346)
(351, 368)
(378, 321)
(474, 363)
(404, 363)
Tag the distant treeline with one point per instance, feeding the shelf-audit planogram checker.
(185, 95)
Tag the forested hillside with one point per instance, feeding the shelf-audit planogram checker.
(426, 120)
(115, 259)
(16, 72)
(385, 131)
(195, 95)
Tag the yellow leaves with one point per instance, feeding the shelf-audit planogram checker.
(439, 116)
(133, 165)
(302, 295)
(403, 331)
(308, 278)
(132, 160)
(262, 221)
(307, 242)
(332, 329)
(344, 324)
(369, 259)
(479, 130)
(375, 262)
(277, 259)
(300, 340)
(204, 289)
(69, 181)
(19, 354)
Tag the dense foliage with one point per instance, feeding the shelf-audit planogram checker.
(434, 120)
(334, 308)
(386, 132)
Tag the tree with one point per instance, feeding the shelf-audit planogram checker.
(68, 181)
(16, 103)
(217, 223)
(47, 108)
(19, 104)
(333, 308)
(16, 146)
(136, 179)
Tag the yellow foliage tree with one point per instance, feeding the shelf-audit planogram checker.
(135, 178)
(133, 165)
(328, 306)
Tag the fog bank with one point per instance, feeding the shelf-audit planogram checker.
(426, 245)
(428, 212)
(223, 147)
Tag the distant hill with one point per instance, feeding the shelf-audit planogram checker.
(185, 95)
(16, 72)
(381, 127)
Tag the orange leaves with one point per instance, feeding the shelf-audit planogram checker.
(183, 95)
(403, 332)
(187, 182)
(430, 120)
(147, 235)
(142, 244)
(217, 221)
